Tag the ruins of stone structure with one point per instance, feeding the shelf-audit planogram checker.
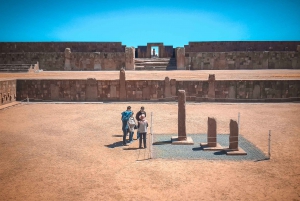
(95, 56)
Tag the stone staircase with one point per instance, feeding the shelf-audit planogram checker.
(14, 67)
(155, 64)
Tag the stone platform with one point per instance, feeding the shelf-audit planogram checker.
(188, 141)
(164, 149)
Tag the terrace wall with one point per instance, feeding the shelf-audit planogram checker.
(242, 60)
(138, 90)
(7, 91)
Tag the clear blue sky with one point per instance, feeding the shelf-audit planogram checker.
(137, 22)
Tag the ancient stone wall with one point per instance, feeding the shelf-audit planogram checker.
(97, 61)
(8, 92)
(55, 61)
(48, 61)
(242, 60)
(8, 47)
(137, 90)
(229, 46)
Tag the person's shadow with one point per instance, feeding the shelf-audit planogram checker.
(115, 144)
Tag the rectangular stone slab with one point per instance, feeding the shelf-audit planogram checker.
(188, 141)
(205, 147)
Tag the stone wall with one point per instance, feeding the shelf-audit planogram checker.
(242, 60)
(47, 60)
(7, 91)
(229, 46)
(9, 47)
(55, 61)
(138, 90)
(96, 61)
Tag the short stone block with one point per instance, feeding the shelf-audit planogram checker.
(235, 152)
(188, 141)
(205, 147)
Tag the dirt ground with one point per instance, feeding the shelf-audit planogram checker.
(160, 75)
(70, 152)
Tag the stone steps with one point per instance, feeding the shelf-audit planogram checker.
(155, 64)
(14, 67)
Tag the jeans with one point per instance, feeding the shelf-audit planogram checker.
(143, 136)
(124, 129)
(131, 136)
(124, 136)
(137, 135)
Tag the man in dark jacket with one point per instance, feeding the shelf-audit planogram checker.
(138, 114)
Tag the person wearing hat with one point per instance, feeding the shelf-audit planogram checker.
(125, 117)
(138, 114)
(142, 129)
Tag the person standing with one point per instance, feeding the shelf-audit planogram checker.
(142, 129)
(125, 117)
(131, 124)
(138, 114)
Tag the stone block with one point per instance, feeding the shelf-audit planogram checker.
(234, 135)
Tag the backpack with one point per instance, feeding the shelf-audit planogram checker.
(126, 115)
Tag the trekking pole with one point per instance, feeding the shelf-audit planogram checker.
(239, 123)
(151, 137)
(269, 150)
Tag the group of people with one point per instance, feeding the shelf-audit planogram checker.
(129, 124)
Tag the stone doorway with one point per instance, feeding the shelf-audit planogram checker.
(154, 52)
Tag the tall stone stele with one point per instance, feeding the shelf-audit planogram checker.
(122, 85)
(129, 58)
(211, 86)
(181, 115)
(180, 58)
(67, 59)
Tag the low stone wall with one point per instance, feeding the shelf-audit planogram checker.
(154, 90)
(9, 47)
(242, 60)
(229, 46)
(7, 91)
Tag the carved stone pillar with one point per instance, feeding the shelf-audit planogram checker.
(129, 58)
(234, 135)
(67, 59)
(122, 85)
(180, 58)
(167, 92)
(211, 86)
(97, 61)
(181, 115)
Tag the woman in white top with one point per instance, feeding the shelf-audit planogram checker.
(142, 129)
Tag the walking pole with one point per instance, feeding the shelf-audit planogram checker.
(269, 151)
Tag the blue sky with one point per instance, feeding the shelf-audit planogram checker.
(137, 22)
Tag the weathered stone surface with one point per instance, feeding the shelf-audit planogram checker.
(256, 92)
(67, 59)
(54, 92)
(211, 132)
(91, 90)
(181, 115)
(7, 91)
(232, 92)
(97, 61)
(167, 92)
(234, 135)
(180, 58)
(123, 94)
(211, 86)
(129, 58)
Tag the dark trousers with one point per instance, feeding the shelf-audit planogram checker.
(143, 136)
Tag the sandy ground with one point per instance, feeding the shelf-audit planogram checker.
(160, 75)
(63, 152)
